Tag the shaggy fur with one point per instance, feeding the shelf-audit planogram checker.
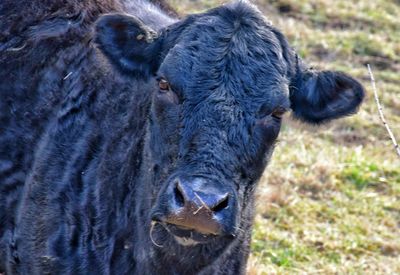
(89, 144)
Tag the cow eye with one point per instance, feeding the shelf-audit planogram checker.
(164, 85)
(166, 92)
(278, 112)
(266, 111)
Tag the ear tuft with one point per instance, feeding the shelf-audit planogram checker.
(319, 97)
(128, 43)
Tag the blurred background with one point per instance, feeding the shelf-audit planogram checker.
(329, 202)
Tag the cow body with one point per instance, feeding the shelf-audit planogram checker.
(52, 76)
(91, 152)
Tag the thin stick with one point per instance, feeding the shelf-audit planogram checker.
(380, 109)
(202, 202)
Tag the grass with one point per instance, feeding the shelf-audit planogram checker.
(329, 202)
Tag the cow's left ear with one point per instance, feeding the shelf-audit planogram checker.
(128, 43)
(318, 97)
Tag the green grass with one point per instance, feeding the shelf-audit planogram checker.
(329, 202)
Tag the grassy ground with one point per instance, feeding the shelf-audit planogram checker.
(329, 202)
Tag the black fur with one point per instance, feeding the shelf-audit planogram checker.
(88, 142)
(129, 44)
(323, 96)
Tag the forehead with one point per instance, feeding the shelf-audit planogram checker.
(231, 51)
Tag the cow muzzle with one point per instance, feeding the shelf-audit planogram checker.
(197, 209)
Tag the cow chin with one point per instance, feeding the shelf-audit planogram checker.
(167, 234)
(188, 237)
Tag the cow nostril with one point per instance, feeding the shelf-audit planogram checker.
(222, 204)
(178, 193)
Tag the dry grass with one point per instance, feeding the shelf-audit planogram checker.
(329, 202)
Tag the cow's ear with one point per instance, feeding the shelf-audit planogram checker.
(128, 43)
(318, 97)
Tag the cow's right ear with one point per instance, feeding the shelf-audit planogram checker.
(128, 43)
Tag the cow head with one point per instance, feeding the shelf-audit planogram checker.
(223, 81)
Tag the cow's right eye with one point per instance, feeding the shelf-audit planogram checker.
(278, 112)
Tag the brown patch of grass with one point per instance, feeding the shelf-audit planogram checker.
(390, 249)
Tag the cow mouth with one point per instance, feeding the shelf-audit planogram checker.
(186, 236)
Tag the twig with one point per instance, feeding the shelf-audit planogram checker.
(202, 202)
(198, 209)
(380, 109)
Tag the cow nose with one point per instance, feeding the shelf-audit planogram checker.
(199, 205)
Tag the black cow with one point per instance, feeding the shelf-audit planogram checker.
(132, 144)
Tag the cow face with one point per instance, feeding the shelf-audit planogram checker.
(223, 80)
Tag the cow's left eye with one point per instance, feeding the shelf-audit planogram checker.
(164, 85)
(166, 93)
